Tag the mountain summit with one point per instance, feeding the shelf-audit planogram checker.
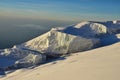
(61, 41)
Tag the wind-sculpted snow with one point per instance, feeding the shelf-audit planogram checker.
(113, 26)
(21, 58)
(56, 43)
(61, 41)
(86, 29)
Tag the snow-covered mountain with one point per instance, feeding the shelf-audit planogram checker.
(69, 39)
(60, 41)
(86, 29)
(113, 26)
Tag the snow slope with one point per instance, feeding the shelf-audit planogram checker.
(86, 29)
(19, 58)
(58, 43)
(61, 41)
(98, 64)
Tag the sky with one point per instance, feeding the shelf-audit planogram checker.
(65, 10)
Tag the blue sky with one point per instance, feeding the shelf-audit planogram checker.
(70, 10)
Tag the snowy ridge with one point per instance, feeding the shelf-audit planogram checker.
(116, 22)
(86, 29)
(61, 41)
(55, 43)
(113, 26)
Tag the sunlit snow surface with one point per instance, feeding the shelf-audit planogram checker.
(60, 41)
